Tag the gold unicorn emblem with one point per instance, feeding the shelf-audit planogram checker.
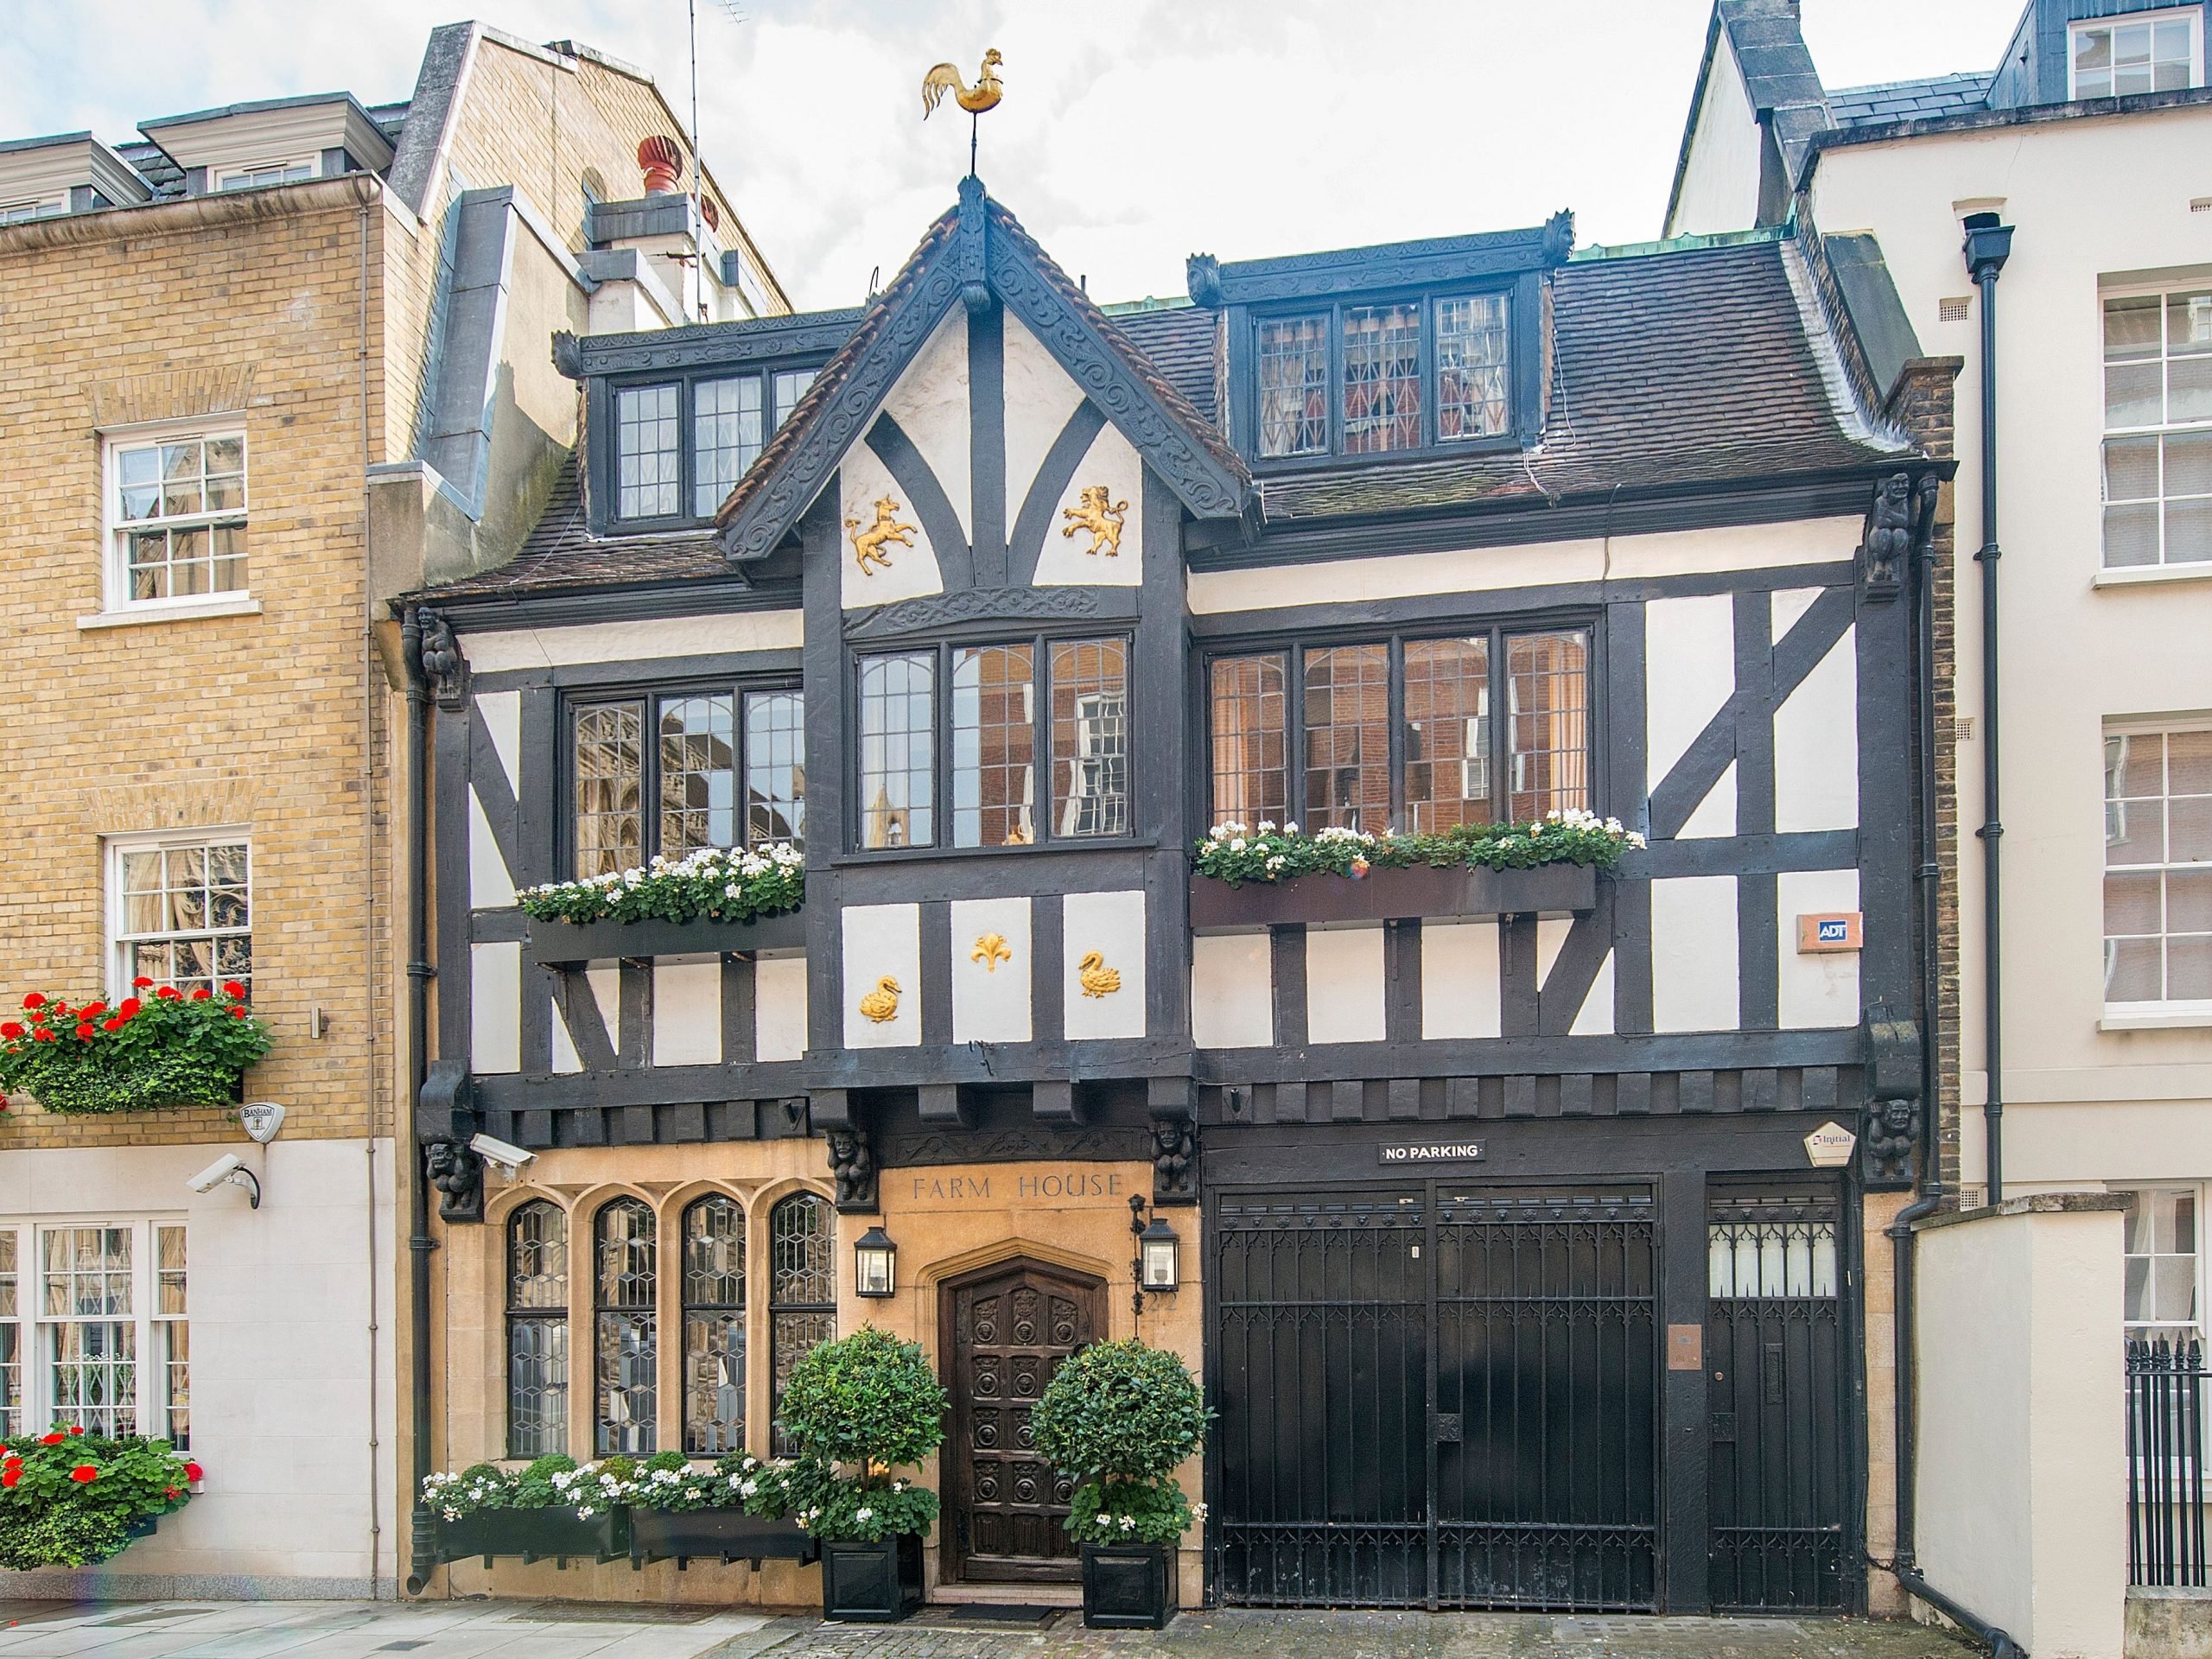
(887, 531)
(1096, 977)
(882, 1004)
(991, 950)
(1101, 516)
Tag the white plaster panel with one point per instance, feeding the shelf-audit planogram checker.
(1551, 937)
(1039, 397)
(991, 995)
(495, 1006)
(1111, 461)
(929, 402)
(1819, 989)
(1786, 607)
(605, 984)
(1532, 565)
(1693, 961)
(862, 480)
(566, 1060)
(688, 1011)
(490, 886)
(1344, 985)
(1595, 1018)
(1459, 994)
(622, 642)
(1232, 991)
(883, 942)
(1719, 187)
(1689, 654)
(1112, 924)
(1816, 746)
(502, 713)
(779, 1007)
(1716, 813)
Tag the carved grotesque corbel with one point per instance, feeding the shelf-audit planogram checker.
(1891, 1122)
(441, 662)
(852, 1166)
(458, 1175)
(1886, 1140)
(1174, 1160)
(1889, 537)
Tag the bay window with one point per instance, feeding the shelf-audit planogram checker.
(1400, 732)
(1423, 372)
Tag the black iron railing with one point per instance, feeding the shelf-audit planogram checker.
(2165, 1462)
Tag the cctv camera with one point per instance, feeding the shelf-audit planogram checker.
(230, 1168)
(493, 1150)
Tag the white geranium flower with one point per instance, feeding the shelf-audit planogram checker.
(863, 1515)
(1237, 845)
(1105, 1520)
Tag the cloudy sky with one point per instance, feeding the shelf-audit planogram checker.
(1133, 131)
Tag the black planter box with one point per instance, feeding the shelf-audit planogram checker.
(1128, 1587)
(567, 942)
(1391, 895)
(536, 1535)
(722, 1535)
(871, 1584)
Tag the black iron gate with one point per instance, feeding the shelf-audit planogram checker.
(1778, 1499)
(1437, 1395)
(2165, 1462)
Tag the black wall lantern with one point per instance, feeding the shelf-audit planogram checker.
(1158, 1265)
(875, 1264)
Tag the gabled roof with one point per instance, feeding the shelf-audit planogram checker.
(976, 247)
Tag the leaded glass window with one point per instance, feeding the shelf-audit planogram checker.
(801, 1291)
(1448, 733)
(775, 766)
(2157, 887)
(1474, 388)
(1090, 737)
(1251, 738)
(92, 1331)
(1347, 727)
(1382, 378)
(791, 384)
(11, 1340)
(698, 774)
(179, 516)
(1294, 387)
(624, 1282)
(1547, 679)
(2158, 449)
(608, 764)
(647, 462)
(184, 913)
(726, 436)
(714, 1327)
(537, 1330)
(994, 746)
(897, 761)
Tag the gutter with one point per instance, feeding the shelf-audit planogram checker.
(423, 1558)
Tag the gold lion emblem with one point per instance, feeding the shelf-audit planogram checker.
(887, 531)
(1101, 516)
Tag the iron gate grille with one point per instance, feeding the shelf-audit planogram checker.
(1437, 1396)
(2165, 1462)
(1777, 1498)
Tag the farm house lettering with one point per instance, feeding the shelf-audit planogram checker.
(1052, 1184)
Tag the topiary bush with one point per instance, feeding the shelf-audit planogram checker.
(871, 1402)
(1118, 1418)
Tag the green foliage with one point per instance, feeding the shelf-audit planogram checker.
(1236, 853)
(712, 884)
(1121, 1410)
(1131, 1512)
(867, 1399)
(777, 1488)
(552, 1481)
(166, 1048)
(848, 1512)
(69, 1499)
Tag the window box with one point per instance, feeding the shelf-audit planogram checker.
(554, 1534)
(1128, 1587)
(724, 1536)
(535, 1535)
(871, 1584)
(1388, 894)
(566, 942)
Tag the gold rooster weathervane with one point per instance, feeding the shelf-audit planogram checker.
(984, 95)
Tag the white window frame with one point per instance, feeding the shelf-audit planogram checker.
(119, 937)
(2144, 1329)
(31, 209)
(2160, 430)
(2121, 1016)
(150, 1341)
(115, 559)
(252, 176)
(2193, 16)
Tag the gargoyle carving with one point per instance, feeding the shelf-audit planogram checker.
(458, 1175)
(852, 1166)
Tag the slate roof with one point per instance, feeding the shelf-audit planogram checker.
(1910, 100)
(1179, 342)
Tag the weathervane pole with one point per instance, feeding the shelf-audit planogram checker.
(984, 95)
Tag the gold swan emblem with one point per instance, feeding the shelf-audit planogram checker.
(991, 950)
(882, 1004)
(887, 531)
(1101, 516)
(1096, 977)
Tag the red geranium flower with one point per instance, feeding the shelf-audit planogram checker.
(54, 1437)
(232, 988)
(130, 1007)
(168, 993)
(12, 1029)
(73, 1430)
(201, 995)
(90, 1009)
(83, 1474)
(174, 1493)
(238, 1013)
(85, 1029)
(140, 983)
(43, 1034)
(11, 1474)
(33, 1000)
(193, 1471)
(113, 1022)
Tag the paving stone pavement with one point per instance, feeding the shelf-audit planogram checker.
(525, 1629)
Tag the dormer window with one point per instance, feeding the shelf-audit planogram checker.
(260, 174)
(21, 212)
(2148, 52)
(681, 446)
(1374, 379)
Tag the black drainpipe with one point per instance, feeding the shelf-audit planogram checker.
(1987, 245)
(422, 1559)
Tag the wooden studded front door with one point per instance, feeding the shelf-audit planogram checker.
(1005, 1329)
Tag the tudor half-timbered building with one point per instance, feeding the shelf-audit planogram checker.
(1516, 1240)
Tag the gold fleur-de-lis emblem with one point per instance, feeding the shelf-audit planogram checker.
(991, 950)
